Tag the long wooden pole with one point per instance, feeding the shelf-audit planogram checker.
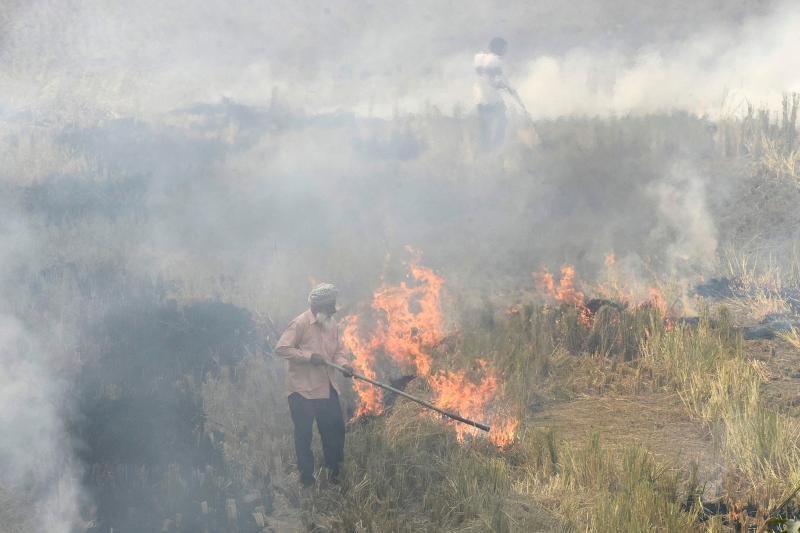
(429, 405)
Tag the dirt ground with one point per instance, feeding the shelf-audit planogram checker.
(659, 422)
(781, 363)
(656, 421)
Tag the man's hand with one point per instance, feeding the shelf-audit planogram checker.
(347, 370)
(317, 359)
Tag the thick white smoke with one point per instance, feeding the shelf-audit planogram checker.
(715, 72)
(96, 59)
(98, 91)
(685, 221)
(37, 471)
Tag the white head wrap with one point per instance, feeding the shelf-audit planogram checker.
(322, 294)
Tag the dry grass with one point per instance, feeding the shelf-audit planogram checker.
(760, 286)
(718, 385)
(655, 421)
(780, 157)
(255, 437)
(406, 471)
(792, 337)
(780, 163)
(628, 495)
(534, 348)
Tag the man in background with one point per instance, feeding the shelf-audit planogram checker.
(311, 339)
(488, 96)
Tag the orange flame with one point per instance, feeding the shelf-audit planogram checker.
(413, 319)
(455, 392)
(371, 398)
(410, 325)
(565, 292)
(610, 287)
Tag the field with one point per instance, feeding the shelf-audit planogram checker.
(618, 300)
(631, 422)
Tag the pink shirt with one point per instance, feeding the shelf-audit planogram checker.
(303, 337)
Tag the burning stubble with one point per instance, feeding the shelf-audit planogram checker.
(171, 169)
(404, 332)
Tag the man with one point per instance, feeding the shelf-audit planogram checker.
(489, 99)
(311, 339)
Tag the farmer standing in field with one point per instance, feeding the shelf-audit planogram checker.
(490, 88)
(488, 93)
(311, 339)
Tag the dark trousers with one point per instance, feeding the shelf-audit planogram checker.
(330, 425)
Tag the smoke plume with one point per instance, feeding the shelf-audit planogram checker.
(226, 150)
